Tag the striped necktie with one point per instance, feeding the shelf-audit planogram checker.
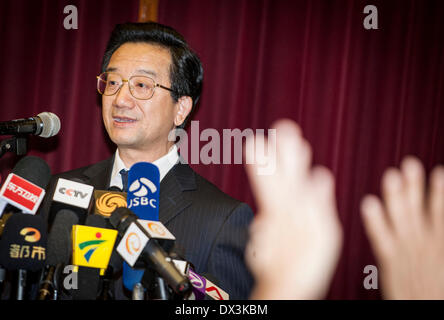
(124, 174)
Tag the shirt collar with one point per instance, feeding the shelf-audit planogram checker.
(164, 164)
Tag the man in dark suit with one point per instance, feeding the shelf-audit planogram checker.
(150, 83)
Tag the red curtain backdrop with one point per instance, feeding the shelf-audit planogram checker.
(364, 98)
(48, 68)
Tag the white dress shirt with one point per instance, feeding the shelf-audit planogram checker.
(164, 164)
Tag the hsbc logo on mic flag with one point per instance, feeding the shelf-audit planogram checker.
(143, 190)
(132, 244)
(22, 194)
(141, 186)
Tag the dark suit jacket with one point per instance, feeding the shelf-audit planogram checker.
(210, 226)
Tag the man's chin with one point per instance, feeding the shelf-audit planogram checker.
(124, 142)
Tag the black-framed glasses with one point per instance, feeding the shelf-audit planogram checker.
(140, 87)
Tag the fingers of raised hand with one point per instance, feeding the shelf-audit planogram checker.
(436, 197)
(291, 155)
(377, 226)
(414, 190)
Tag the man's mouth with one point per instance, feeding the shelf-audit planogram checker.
(123, 120)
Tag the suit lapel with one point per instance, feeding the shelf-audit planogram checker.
(99, 175)
(172, 199)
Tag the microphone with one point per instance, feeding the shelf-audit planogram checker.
(45, 125)
(204, 289)
(92, 249)
(200, 283)
(143, 200)
(92, 246)
(143, 190)
(23, 247)
(136, 244)
(73, 195)
(198, 286)
(115, 261)
(3, 220)
(59, 251)
(115, 188)
(156, 230)
(106, 201)
(114, 264)
(213, 291)
(24, 188)
(156, 287)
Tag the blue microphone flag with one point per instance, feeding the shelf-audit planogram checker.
(143, 190)
(142, 199)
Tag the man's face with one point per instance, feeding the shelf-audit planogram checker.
(140, 124)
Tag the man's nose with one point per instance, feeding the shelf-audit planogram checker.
(124, 98)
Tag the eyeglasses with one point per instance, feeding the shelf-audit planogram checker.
(140, 87)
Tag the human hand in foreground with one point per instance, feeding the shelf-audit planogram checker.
(296, 237)
(406, 231)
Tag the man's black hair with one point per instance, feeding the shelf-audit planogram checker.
(186, 72)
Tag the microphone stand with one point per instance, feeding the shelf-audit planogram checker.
(160, 288)
(156, 286)
(16, 144)
(57, 281)
(105, 291)
(47, 285)
(138, 292)
(2, 279)
(21, 284)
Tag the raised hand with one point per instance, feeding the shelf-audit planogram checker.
(295, 239)
(406, 231)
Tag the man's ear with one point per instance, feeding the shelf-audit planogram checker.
(184, 106)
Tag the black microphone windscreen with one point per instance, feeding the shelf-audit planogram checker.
(88, 284)
(23, 244)
(59, 239)
(118, 216)
(33, 169)
(115, 188)
(94, 220)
